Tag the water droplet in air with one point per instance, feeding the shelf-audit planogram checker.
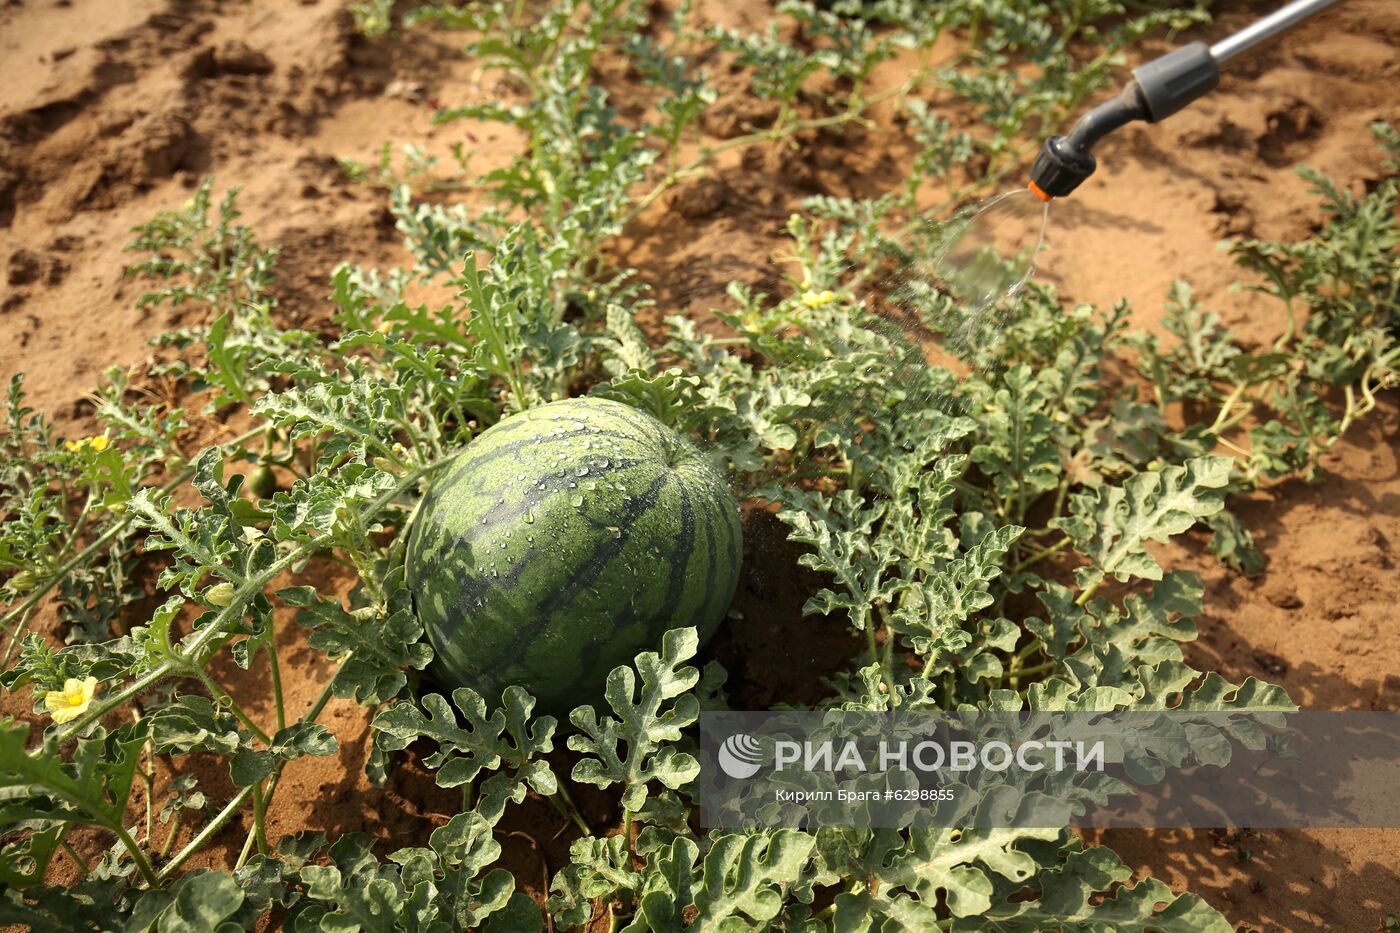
(989, 251)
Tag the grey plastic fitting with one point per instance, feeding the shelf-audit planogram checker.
(1176, 79)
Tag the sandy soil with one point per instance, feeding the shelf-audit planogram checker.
(113, 110)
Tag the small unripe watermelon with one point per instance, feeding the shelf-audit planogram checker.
(564, 540)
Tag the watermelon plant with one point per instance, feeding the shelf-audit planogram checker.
(983, 530)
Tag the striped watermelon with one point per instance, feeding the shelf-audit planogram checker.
(564, 540)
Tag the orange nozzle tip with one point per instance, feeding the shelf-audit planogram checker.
(1035, 190)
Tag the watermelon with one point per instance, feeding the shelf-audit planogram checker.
(564, 540)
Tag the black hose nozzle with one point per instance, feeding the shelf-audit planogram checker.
(1158, 89)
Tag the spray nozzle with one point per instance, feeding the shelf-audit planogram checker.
(1159, 89)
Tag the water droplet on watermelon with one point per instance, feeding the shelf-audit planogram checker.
(616, 531)
(577, 500)
(581, 471)
(529, 517)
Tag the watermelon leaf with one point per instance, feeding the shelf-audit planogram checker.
(944, 599)
(1067, 900)
(464, 847)
(1113, 524)
(43, 792)
(380, 646)
(840, 530)
(668, 887)
(597, 869)
(507, 738)
(645, 726)
(746, 876)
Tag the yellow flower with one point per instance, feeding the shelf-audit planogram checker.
(817, 299)
(96, 444)
(72, 701)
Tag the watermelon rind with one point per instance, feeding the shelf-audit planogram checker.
(564, 540)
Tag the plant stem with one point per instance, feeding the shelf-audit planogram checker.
(1035, 669)
(315, 709)
(246, 851)
(205, 834)
(81, 557)
(143, 864)
(1060, 497)
(206, 636)
(275, 778)
(260, 817)
(148, 776)
(874, 648)
(1019, 657)
(219, 693)
(1015, 671)
(77, 529)
(276, 669)
(72, 853)
(1088, 594)
(1041, 554)
(573, 810)
(170, 837)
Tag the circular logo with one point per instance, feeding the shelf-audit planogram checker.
(740, 756)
